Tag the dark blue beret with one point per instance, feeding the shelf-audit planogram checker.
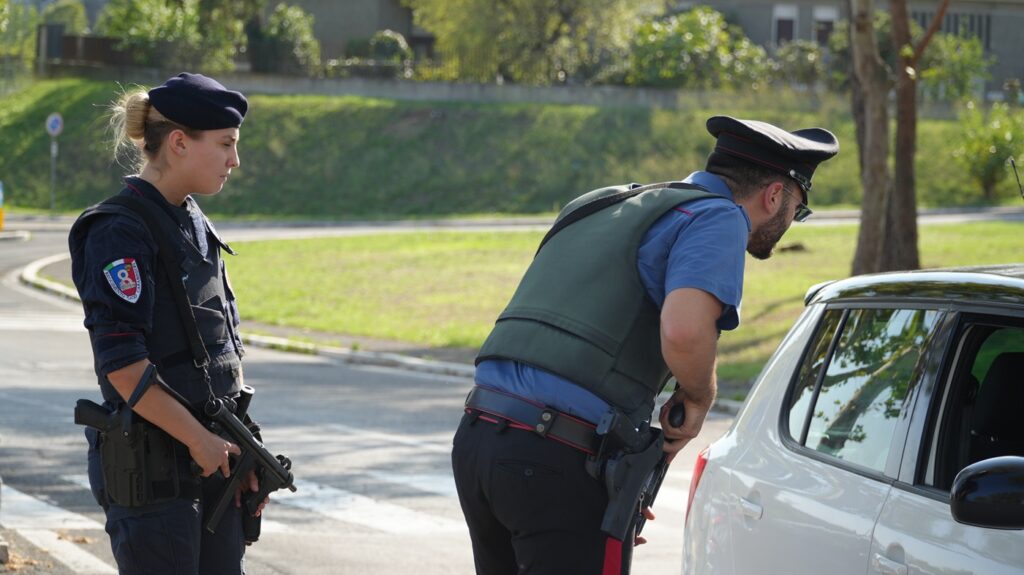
(198, 102)
(794, 154)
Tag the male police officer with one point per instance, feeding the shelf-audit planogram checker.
(633, 284)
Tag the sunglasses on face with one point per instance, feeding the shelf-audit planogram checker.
(802, 211)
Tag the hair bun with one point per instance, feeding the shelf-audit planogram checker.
(136, 110)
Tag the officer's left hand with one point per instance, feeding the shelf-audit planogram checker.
(251, 483)
(640, 540)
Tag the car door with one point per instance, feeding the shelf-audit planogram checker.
(809, 490)
(972, 415)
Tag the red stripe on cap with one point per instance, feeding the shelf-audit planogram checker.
(754, 159)
(612, 557)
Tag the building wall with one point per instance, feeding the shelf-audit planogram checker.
(1001, 20)
(336, 22)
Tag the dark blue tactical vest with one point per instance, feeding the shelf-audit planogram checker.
(210, 296)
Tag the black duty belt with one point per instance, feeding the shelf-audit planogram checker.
(540, 419)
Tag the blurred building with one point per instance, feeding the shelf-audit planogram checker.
(997, 23)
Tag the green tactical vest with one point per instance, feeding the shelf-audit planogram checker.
(581, 310)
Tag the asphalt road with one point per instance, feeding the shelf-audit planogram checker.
(370, 449)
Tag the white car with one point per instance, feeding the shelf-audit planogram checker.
(887, 401)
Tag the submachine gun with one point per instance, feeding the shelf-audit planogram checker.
(273, 472)
(633, 466)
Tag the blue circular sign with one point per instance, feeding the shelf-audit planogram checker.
(54, 124)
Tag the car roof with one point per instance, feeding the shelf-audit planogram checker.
(1003, 284)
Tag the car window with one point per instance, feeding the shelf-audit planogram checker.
(807, 381)
(858, 400)
(982, 405)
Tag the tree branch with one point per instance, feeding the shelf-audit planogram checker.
(936, 23)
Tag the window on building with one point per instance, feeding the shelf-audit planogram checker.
(824, 23)
(784, 23)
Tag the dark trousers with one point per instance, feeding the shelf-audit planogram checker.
(168, 538)
(530, 505)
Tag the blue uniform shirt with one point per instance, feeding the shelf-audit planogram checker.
(117, 325)
(699, 244)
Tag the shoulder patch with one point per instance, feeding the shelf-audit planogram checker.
(124, 278)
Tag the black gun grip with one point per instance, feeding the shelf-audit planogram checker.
(677, 415)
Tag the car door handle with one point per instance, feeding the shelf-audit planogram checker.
(887, 566)
(751, 509)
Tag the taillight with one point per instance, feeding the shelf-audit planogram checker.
(698, 470)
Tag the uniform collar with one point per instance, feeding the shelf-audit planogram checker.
(141, 187)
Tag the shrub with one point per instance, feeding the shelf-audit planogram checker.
(989, 139)
(800, 62)
(69, 13)
(390, 46)
(291, 29)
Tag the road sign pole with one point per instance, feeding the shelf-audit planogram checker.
(53, 174)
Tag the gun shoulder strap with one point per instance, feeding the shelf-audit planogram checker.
(598, 204)
(158, 227)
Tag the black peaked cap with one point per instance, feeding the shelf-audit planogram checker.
(794, 154)
(198, 102)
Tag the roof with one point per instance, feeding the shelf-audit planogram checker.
(1000, 284)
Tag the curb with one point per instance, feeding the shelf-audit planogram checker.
(15, 236)
(30, 277)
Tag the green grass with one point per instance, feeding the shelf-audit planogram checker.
(446, 288)
(345, 157)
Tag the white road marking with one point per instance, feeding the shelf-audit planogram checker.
(42, 523)
(35, 321)
(438, 484)
(408, 440)
(349, 507)
(268, 525)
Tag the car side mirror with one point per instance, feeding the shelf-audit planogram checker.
(990, 493)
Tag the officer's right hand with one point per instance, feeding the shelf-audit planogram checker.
(211, 453)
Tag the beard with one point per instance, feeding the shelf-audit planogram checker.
(762, 240)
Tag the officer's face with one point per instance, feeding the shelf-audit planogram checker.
(763, 239)
(210, 160)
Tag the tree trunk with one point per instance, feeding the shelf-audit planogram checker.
(856, 94)
(900, 250)
(872, 75)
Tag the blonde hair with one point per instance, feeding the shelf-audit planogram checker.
(140, 129)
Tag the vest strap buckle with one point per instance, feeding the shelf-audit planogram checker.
(545, 421)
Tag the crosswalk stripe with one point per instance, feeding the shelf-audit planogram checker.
(353, 508)
(42, 523)
(267, 526)
(41, 322)
(439, 484)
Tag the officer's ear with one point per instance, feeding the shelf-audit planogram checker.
(177, 142)
(771, 197)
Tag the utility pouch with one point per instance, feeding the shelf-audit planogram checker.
(137, 458)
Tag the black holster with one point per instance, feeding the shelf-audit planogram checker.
(138, 459)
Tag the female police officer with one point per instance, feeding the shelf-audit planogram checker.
(187, 132)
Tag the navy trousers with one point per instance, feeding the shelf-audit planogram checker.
(530, 505)
(168, 538)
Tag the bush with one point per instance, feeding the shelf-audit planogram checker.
(800, 62)
(988, 141)
(291, 29)
(389, 45)
(17, 34)
(696, 49)
(958, 68)
(69, 13)
(154, 32)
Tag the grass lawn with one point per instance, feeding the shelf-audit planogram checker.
(446, 288)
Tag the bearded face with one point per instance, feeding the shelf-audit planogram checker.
(763, 239)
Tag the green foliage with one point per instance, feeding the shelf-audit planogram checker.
(800, 62)
(155, 32)
(839, 64)
(174, 34)
(292, 28)
(989, 139)
(958, 68)
(528, 41)
(351, 158)
(696, 49)
(390, 46)
(70, 13)
(17, 33)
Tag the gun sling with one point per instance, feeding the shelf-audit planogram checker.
(541, 420)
